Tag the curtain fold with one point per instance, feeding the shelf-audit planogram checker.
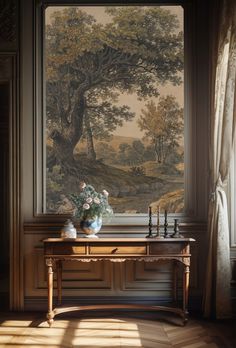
(217, 300)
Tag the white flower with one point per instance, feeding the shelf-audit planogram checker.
(96, 200)
(82, 185)
(86, 206)
(105, 193)
(89, 200)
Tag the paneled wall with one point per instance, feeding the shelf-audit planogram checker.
(92, 281)
(137, 282)
(10, 153)
(8, 104)
(4, 188)
(132, 281)
(233, 279)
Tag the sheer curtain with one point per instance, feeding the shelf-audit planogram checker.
(222, 125)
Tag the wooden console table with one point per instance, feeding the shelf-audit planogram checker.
(57, 250)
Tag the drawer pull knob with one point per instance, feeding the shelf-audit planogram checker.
(114, 251)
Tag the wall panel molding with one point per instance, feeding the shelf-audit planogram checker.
(8, 23)
(52, 227)
(98, 279)
(9, 70)
(80, 278)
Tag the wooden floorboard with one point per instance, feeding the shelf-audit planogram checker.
(113, 330)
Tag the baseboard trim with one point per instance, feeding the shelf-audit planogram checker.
(40, 303)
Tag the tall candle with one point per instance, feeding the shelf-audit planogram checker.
(150, 221)
(165, 225)
(158, 216)
(150, 211)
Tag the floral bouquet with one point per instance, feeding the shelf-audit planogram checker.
(91, 204)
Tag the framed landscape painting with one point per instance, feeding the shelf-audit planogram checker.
(114, 105)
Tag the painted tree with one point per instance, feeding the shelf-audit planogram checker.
(122, 154)
(163, 125)
(87, 63)
(101, 118)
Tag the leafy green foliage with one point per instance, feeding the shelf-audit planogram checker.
(131, 154)
(106, 153)
(89, 64)
(163, 125)
(55, 179)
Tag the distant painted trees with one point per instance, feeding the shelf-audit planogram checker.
(89, 64)
(131, 154)
(101, 118)
(162, 124)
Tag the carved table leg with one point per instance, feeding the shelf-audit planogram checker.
(59, 279)
(185, 292)
(175, 281)
(50, 314)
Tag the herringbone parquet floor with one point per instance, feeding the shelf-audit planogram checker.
(29, 330)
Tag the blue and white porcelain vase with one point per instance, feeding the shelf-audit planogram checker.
(91, 226)
(68, 230)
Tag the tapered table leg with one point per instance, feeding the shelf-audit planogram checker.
(59, 279)
(50, 314)
(185, 291)
(175, 280)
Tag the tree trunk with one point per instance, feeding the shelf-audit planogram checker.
(89, 137)
(162, 149)
(77, 119)
(157, 147)
(65, 141)
(63, 151)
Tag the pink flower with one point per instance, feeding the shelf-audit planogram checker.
(86, 206)
(89, 200)
(105, 193)
(96, 200)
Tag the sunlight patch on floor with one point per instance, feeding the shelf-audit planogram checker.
(16, 323)
(108, 332)
(94, 332)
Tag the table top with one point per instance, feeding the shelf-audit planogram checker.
(122, 240)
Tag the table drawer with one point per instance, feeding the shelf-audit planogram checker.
(114, 249)
(68, 249)
(167, 248)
